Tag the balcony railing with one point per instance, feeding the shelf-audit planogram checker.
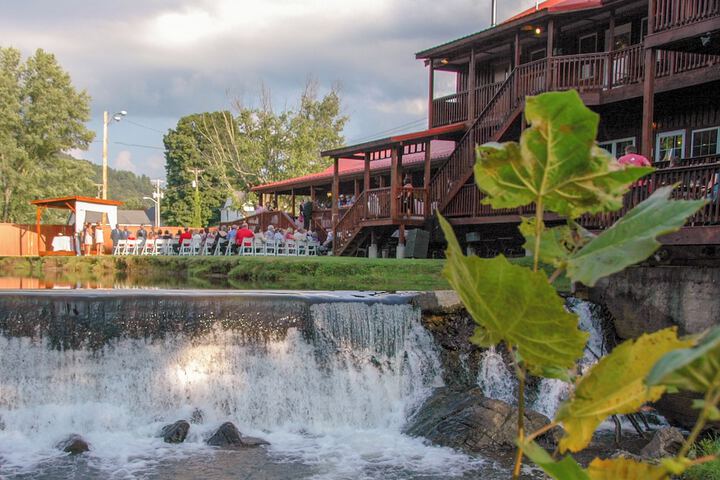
(587, 73)
(671, 14)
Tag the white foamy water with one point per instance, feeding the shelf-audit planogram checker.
(334, 400)
(495, 378)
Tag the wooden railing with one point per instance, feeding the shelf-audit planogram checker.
(412, 203)
(698, 178)
(263, 220)
(484, 94)
(527, 79)
(372, 204)
(450, 109)
(678, 13)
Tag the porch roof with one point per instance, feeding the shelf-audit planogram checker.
(348, 167)
(544, 9)
(66, 202)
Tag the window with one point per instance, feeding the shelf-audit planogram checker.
(587, 44)
(537, 54)
(705, 142)
(617, 147)
(670, 146)
(643, 28)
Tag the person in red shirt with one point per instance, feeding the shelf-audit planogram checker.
(186, 235)
(632, 158)
(243, 233)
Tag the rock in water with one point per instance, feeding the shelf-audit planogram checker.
(175, 432)
(469, 421)
(197, 416)
(665, 442)
(253, 442)
(74, 445)
(226, 436)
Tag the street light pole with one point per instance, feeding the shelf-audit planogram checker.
(106, 121)
(156, 198)
(197, 220)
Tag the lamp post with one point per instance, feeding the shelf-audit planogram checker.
(107, 120)
(156, 198)
(197, 220)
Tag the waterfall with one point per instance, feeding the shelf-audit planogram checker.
(331, 389)
(498, 382)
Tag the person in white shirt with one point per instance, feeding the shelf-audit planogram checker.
(99, 240)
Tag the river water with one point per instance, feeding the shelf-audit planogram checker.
(329, 382)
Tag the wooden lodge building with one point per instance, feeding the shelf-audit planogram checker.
(650, 68)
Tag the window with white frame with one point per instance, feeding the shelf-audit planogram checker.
(705, 142)
(617, 147)
(670, 146)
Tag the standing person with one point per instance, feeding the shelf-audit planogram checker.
(125, 233)
(407, 195)
(141, 234)
(99, 240)
(632, 158)
(115, 236)
(87, 239)
(307, 211)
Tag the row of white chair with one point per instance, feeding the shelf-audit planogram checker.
(190, 247)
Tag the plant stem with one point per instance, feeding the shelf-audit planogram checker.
(711, 398)
(554, 275)
(541, 431)
(520, 372)
(538, 231)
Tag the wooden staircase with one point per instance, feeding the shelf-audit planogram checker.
(499, 114)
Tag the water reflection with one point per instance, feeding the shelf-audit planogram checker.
(60, 281)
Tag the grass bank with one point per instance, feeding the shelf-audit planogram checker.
(291, 273)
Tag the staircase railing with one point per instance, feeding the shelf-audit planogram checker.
(527, 79)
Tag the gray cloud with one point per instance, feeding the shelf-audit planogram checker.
(161, 59)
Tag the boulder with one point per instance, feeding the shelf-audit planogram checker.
(74, 445)
(665, 442)
(226, 436)
(253, 441)
(469, 421)
(175, 432)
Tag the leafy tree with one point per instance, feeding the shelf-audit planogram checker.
(185, 149)
(558, 167)
(41, 115)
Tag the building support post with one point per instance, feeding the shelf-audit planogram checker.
(431, 93)
(394, 187)
(366, 173)
(426, 179)
(38, 217)
(516, 57)
(312, 194)
(649, 92)
(335, 193)
(373, 249)
(292, 194)
(356, 184)
(611, 47)
(471, 87)
(549, 54)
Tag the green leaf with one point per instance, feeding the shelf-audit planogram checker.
(625, 469)
(515, 305)
(614, 386)
(632, 239)
(556, 161)
(555, 243)
(695, 369)
(565, 469)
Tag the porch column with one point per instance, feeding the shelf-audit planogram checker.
(260, 200)
(275, 201)
(312, 194)
(431, 93)
(335, 192)
(516, 57)
(549, 53)
(649, 92)
(356, 184)
(426, 180)
(471, 87)
(38, 217)
(611, 34)
(366, 175)
(394, 187)
(292, 194)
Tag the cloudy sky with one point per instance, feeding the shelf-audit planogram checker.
(162, 59)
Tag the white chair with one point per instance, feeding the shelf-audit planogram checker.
(262, 248)
(312, 248)
(170, 247)
(206, 248)
(280, 249)
(148, 247)
(119, 248)
(270, 248)
(291, 248)
(302, 248)
(131, 247)
(186, 246)
(159, 247)
(248, 246)
(218, 250)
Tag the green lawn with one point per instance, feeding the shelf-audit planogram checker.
(294, 273)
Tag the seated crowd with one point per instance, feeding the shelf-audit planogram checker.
(220, 241)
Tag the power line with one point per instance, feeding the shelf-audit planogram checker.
(144, 126)
(139, 146)
(388, 131)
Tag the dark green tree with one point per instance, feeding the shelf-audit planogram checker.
(185, 149)
(41, 115)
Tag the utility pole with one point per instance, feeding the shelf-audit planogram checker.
(197, 217)
(156, 198)
(106, 122)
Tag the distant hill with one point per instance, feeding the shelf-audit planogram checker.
(124, 186)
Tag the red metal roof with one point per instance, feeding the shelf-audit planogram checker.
(439, 149)
(558, 6)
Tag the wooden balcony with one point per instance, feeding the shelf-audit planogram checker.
(696, 178)
(599, 77)
(682, 24)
